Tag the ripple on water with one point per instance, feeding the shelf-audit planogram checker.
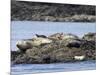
(57, 67)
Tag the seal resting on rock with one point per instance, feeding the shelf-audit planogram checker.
(79, 57)
(23, 45)
(71, 40)
(69, 36)
(56, 36)
(62, 36)
(74, 43)
(40, 41)
(42, 36)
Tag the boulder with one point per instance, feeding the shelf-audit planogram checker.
(89, 37)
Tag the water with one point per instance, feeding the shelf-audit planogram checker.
(28, 29)
(47, 68)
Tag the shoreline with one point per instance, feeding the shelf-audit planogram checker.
(37, 11)
(75, 18)
(54, 63)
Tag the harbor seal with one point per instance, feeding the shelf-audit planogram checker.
(69, 36)
(62, 36)
(23, 45)
(28, 44)
(79, 57)
(56, 36)
(42, 36)
(39, 41)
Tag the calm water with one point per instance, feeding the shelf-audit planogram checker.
(47, 68)
(26, 29)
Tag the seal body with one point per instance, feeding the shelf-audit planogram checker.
(79, 57)
(40, 41)
(73, 43)
(42, 36)
(24, 44)
(56, 36)
(69, 36)
(28, 44)
(62, 36)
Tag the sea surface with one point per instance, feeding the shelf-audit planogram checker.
(27, 29)
(22, 69)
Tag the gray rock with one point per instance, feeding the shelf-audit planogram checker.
(90, 37)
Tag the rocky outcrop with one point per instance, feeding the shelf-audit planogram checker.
(37, 11)
(59, 50)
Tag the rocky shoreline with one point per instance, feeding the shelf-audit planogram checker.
(37, 11)
(56, 48)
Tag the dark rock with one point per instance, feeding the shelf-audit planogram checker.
(88, 45)
(14, 54)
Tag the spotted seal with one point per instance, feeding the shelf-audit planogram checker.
(29, 43)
